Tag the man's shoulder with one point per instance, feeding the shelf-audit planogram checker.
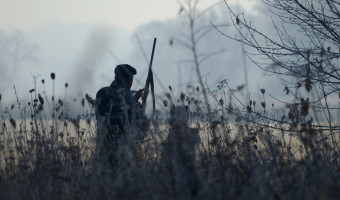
(104, 91)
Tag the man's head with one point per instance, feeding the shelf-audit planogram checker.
(124, 74)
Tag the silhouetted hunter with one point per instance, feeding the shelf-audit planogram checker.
(118, 108)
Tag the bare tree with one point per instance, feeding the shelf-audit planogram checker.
(15, 50)
(307, 60)
(193, 35)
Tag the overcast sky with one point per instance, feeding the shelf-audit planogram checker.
(128, 14)
(83, 40)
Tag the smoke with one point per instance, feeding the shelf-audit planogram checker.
(91, 59)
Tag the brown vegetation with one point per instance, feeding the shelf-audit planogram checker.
(57, 158)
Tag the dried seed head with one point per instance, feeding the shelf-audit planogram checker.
(308, 84)
(52, 76)
(240, 87)
(304, 106)
(31, 90)
(66, 85)
(262, 91)
(170, 88)
(165, 103)
(283, 117)
(168, 95)
(198, 89)
(40, 108)
(299, 84)
(90, 100)
(249, 109)
(41, 100)
(61, 103)
(308, 54)
(12, 107)
(83, 102)
(221, 102)
(287, 90)
(182, 96)
(322, 52)
(237, 21)
(43, 81)
(263, 104)
(13, 123)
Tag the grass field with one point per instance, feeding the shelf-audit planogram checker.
(188, 154)
(58, 159)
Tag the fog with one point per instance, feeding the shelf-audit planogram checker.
(85, 56)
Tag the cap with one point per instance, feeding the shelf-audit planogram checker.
(125, 70)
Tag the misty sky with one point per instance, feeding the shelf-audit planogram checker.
(83, 40)
(128, 14)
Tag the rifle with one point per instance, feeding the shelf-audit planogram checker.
(149, 83)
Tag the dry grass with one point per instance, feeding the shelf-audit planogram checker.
(51, 158)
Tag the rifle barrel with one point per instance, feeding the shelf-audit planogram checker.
(149, 79)
(153, 51)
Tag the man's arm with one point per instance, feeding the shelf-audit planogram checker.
(138, 94)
